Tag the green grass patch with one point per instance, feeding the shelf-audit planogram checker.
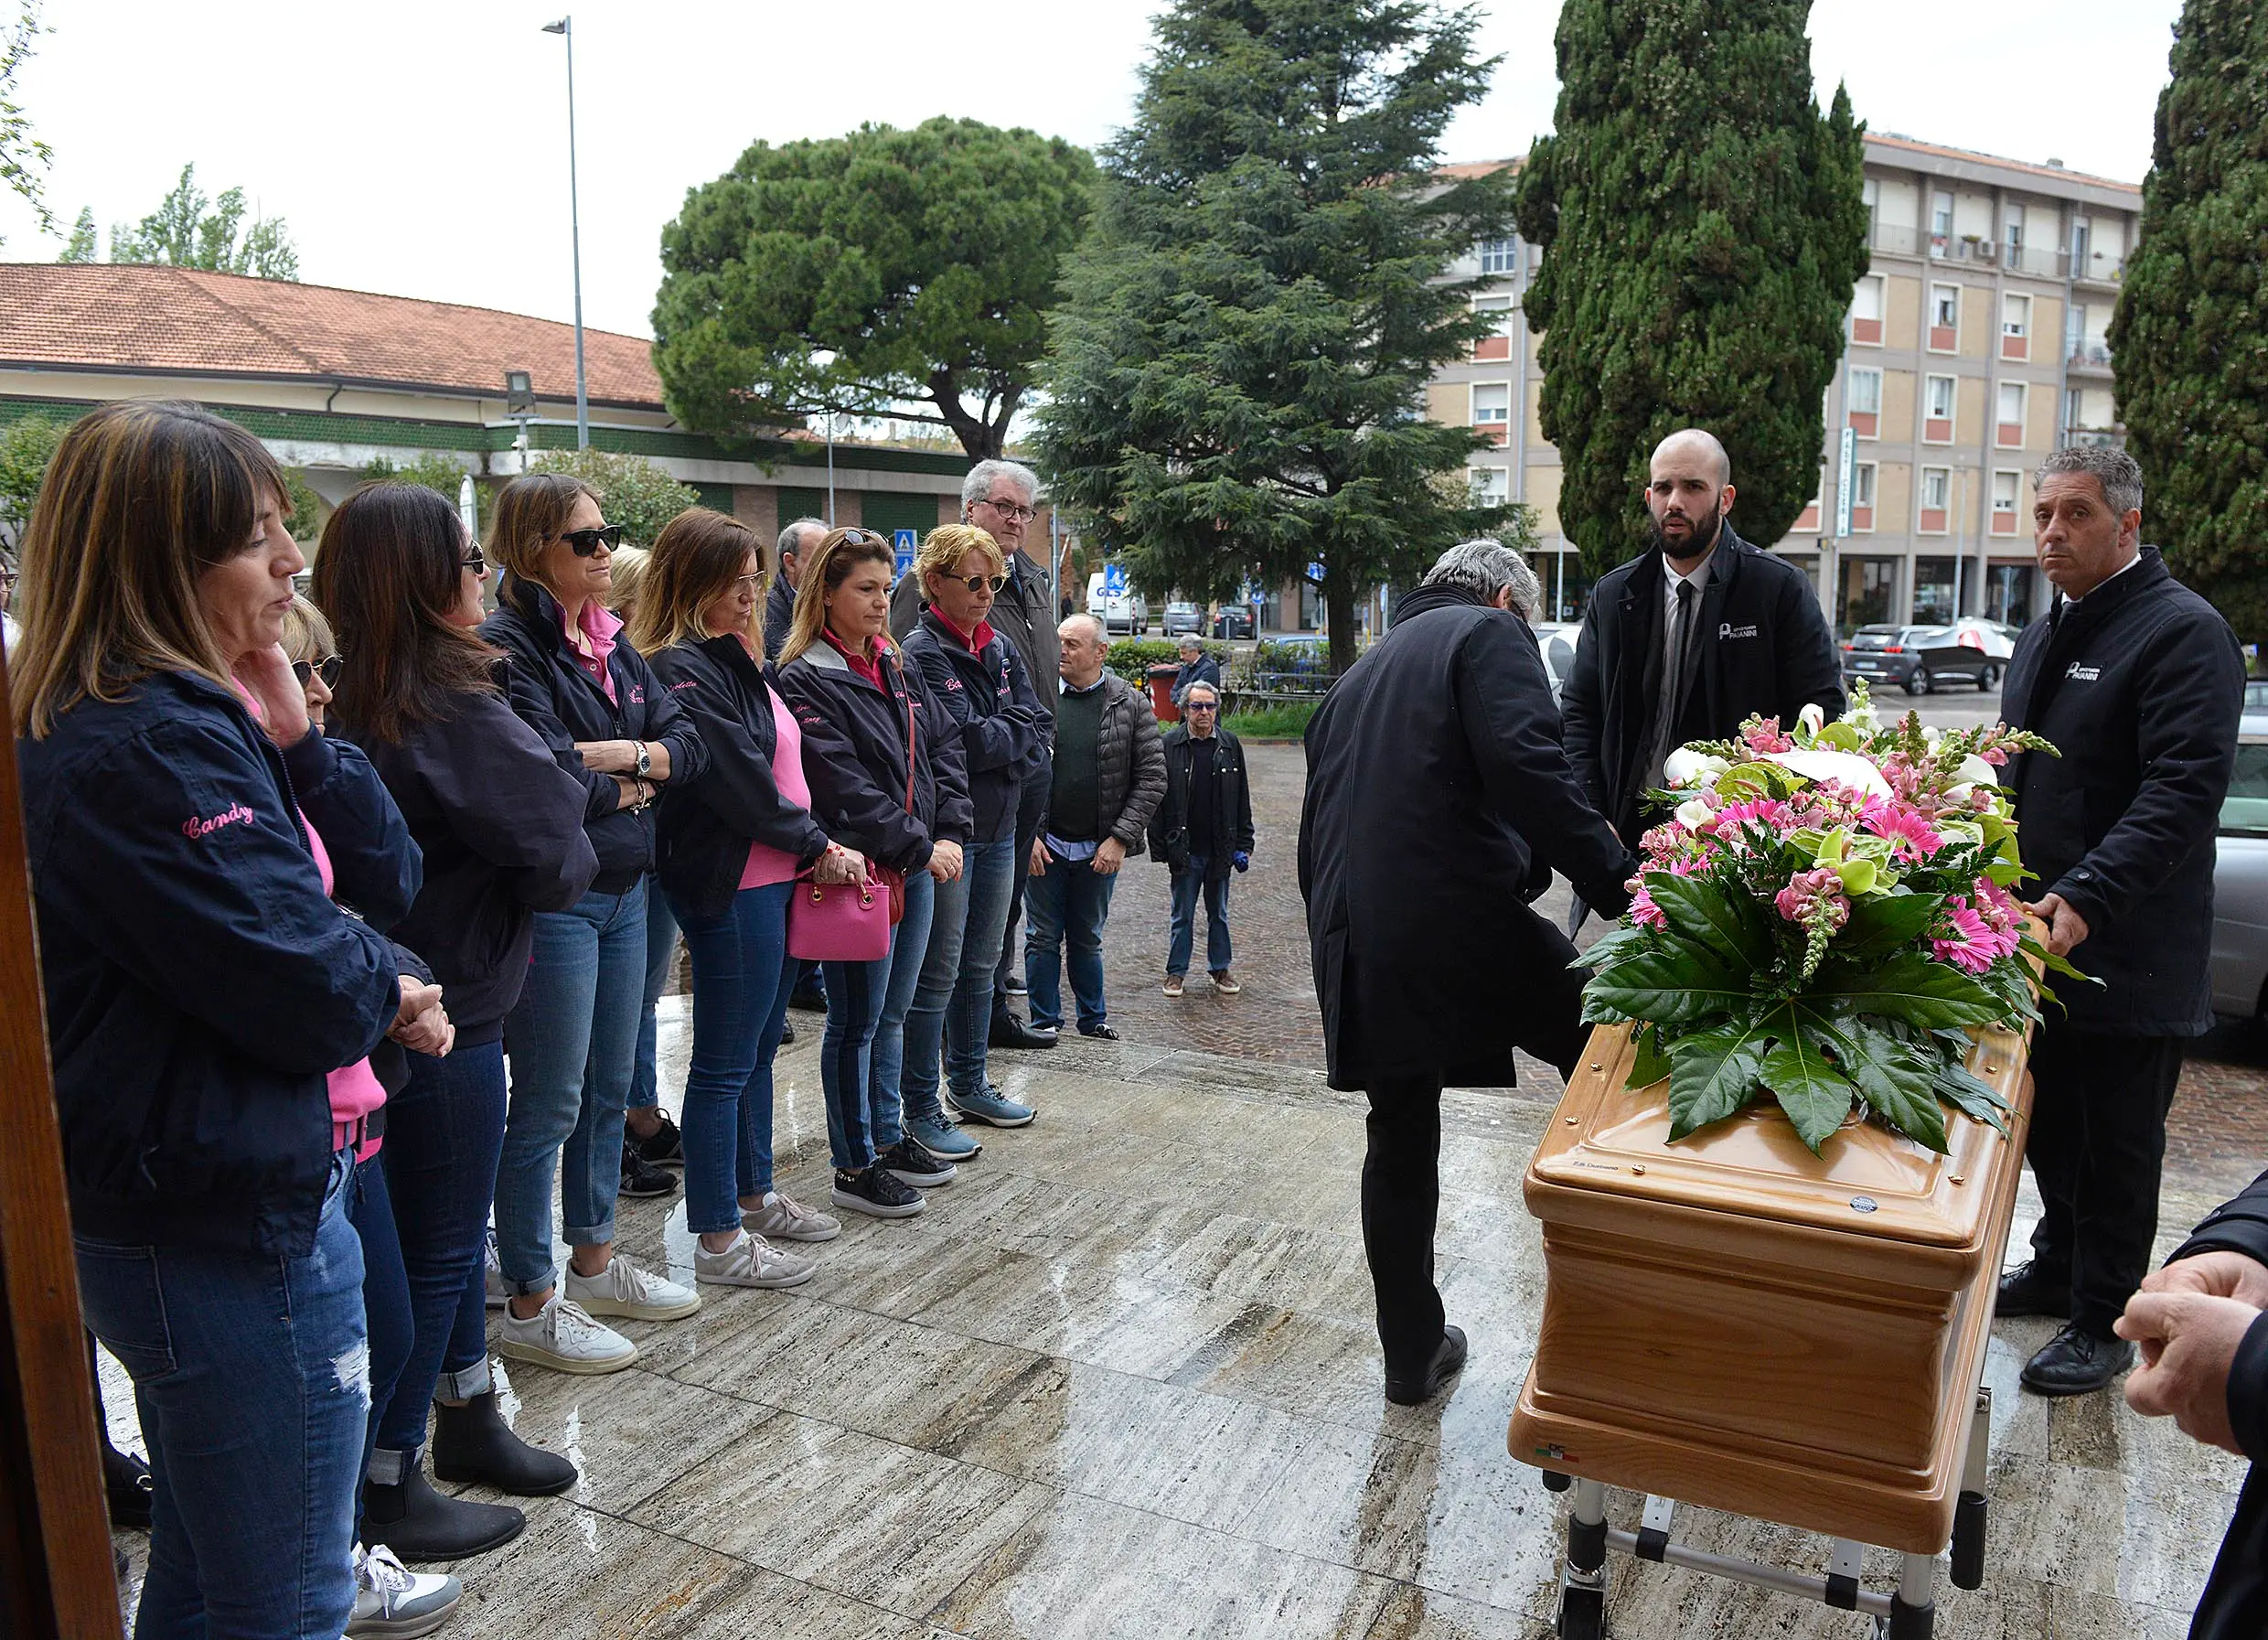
(1284, 722)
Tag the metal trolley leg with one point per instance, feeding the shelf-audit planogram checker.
(1913, 1610)
(1583, 1587)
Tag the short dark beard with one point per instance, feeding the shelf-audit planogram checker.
(1704, 537)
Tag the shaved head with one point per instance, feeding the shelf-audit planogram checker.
(1689, 492)
(1694, 443)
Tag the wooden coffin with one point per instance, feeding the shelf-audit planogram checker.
(1733, 1322)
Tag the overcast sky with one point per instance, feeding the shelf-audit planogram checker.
(419, 149)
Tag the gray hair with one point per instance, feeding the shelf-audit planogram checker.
(1190, 640)
(791, 534)
(1485, 568)
(2119, 473)
(978, 486)
(1194, 688)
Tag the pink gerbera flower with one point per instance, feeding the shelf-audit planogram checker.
(1913, 837)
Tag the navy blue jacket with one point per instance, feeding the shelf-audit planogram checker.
(1004, 730)
(708, 823)
(559, 701)
(201, 984)
(854, 745)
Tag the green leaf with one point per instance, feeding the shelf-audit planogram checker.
(1674, 981)
(1906, 985)
(1881, 926)
(1616, 945)
(1698, 909)
(1893, 1079)
(1648, 1063)
(1814, 1094)
(2055, 964)
(1713, 1073)
(1954, 1084)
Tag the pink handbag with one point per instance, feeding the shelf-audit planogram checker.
(838, 922)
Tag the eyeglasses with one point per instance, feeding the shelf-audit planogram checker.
(476, 564)
(586, 542)
(979, 583)
(1015, 512)
(325, 669)
(751, 585)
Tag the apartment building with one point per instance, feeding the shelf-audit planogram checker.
(1975, 346)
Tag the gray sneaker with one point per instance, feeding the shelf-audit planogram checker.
(392, 1602)
(751, 1261)
(784, 1218)
(993, 1109)
(944, 1138)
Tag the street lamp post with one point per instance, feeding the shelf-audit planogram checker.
(566, 26)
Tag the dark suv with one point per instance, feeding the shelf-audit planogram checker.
(1915, 659)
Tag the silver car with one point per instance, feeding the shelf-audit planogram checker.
(2241, 872)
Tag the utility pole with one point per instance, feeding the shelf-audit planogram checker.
(566, 26)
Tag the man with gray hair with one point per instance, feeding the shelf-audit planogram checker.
(779, 605)
(1439, 803)
(1002, 498)
(2139, 683)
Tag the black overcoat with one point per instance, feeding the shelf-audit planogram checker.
(1439, 801)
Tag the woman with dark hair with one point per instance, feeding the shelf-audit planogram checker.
(733, 844)
(501, 826)
(883, 759)
(573, 1033)
(203, 991)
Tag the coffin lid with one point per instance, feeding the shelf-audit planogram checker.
(1867, 1180)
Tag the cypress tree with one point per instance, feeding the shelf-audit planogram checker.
(1703, 226)
(1240, 364)
(2190, 336)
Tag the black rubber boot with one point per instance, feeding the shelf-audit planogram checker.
(473, 1442)
(421, 1525)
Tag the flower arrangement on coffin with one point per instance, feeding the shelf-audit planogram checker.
(1825, 918)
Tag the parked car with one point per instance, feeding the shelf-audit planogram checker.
(2241, 875)
(1557, 640)
(1234, 620)
(1915, 659)
(1182, 617)
(1996, 638)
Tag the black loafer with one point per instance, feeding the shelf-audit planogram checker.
(1449, 1360)
(2076, 1362)
(2028, 1290)
(1008, 1032)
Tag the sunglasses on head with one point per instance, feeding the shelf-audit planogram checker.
(587, 542)
(325, 669)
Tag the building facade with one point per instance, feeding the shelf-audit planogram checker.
(1975, 346)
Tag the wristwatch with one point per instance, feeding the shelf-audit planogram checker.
(645, 760)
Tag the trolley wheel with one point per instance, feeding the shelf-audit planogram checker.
(1582, 1613)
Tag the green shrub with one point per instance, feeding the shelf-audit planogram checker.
(1131, 658)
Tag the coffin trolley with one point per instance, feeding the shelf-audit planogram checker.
(1732, 1322)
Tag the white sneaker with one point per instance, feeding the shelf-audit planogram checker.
(783, 1219)
(394, 1602)
(623, 1289)
(493, 1272)
(562, 1336)
(751, 1261)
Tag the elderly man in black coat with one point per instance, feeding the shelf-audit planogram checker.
(2140, 684)
(1438, 802)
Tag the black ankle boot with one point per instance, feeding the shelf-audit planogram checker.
(126, 1488)
(420, 1524)
(473, 1442)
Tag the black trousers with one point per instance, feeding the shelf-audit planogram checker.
(2098, 1141)
(1034, 805)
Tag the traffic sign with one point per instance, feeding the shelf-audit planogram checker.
(1114, 580)
(1847, 459)
(905, 542)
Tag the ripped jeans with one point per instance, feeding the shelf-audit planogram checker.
(252, 1376)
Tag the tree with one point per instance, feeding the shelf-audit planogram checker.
(2188, 335)
(82, 246)
(437, 473)
(309, 509)
(189, 230)
(632, 490)
(1703, 226)
(23, 156)
(888, 273)
(1246, 337)
(27, 446)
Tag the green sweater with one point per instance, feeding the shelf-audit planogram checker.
(1073, 808)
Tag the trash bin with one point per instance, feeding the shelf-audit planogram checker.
(1161, 678)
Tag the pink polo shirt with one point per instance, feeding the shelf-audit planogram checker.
(355, 1088)
(766, 864)
(599, 624)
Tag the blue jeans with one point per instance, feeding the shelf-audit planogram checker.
(385, 1298)
(661, 945)
(741, 982)
(252, 1376)
(862, 1050)
(953, 995)
(1067, 907)
(574, 1040)
(1187, 886)
(444, 1131)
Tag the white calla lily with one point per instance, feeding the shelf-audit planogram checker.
(1976, 771)
(1686, 766)
(1813, 717)
(1693, 812)
(1848, 768)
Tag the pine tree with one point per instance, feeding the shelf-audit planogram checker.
(82, 246)
(2190, 336)
(1703, 228)
(1240, 362)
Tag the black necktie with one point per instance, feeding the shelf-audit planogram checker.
(1672, 680)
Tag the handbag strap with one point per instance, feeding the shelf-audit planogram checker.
(899, 667)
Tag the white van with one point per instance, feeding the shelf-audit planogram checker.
(1127, 612)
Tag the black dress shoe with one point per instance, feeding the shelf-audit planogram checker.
(473, 1442)
(420, 1524)
(1449, 1360)
(1100, 1032)
(1008, 1032)
(2028, 1290)
(127, 1489)
(788, 1032)
(2076, 1362)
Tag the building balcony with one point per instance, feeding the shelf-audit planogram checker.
(2100, 269)
(2105, 437)
(2089, 358)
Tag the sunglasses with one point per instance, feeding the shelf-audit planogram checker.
(585, 543)
(855, 537)
(1199, 706)
(476, 564)
(325, 669)
(979, 583)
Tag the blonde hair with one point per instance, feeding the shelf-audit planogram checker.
(947, 544)
(629, 564)
(695, 559)
(827, 567)
(307, 636)
(140, 499)
(530, 512)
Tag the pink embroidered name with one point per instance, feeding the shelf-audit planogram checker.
(193, 826)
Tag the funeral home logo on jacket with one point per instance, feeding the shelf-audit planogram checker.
(1729, 631)
(2077, 673)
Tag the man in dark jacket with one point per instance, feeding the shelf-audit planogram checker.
(1686, 639)
(1002, 498)
(1197, 667)
(2204, 1339)
(1439, 801)
(2140, 685)
(1109, 774)
(1202, 831)
(779, 603)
